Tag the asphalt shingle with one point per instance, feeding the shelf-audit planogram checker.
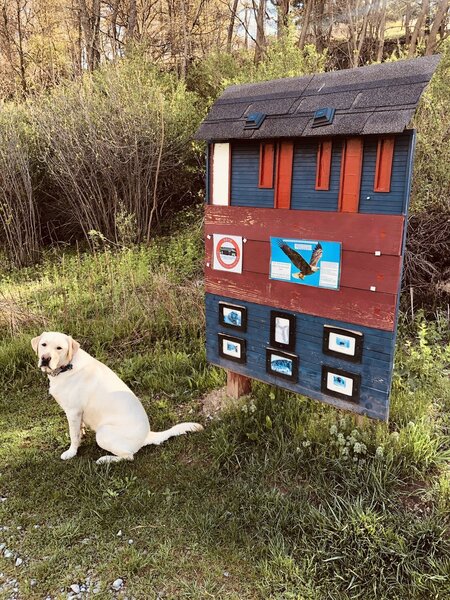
(368, 100)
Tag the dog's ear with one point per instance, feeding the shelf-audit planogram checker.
(35, 343)
(74, 346)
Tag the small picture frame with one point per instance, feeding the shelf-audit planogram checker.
(341, 384)
(282, 364)
(282, 330)
(233, 316)
(343, 343)
(232, 348)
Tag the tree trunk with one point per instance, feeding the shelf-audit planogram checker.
(381, 31)
(90, 22)
(408, 12)
(184, 58)
(305, 23)
(418, 27)
(231, 25)
(441, 12)
(23, 79)
(283, 7)
(131, 20)
(260, 13)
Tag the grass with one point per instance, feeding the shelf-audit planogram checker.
(282, 498)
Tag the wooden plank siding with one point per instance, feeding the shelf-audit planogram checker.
(245, 171)
(245, 177)
(359, 233)
(283, 176)
(375, 368)
(351, 167)
(304, 194)
(361, 270)
(394, 201)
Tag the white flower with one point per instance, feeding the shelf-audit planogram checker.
(333, 430)
(379, 452)
(306, 444)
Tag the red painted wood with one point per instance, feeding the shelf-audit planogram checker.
(351, 166)
(323, 168)
(359, 270)
(283, 177)
(238, 385)
(353, 306)
(357, 232)
(266, 165)
(383, 167)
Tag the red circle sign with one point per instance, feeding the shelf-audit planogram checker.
(228, 253)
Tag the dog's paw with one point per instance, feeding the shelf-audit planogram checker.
(70, 453)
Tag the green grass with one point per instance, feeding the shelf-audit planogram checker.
(282, 498)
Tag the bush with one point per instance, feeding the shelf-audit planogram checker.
(116, 147)
(431, 183)
(19, 219)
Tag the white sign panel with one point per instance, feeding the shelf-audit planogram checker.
(227, 253)
(221, 175)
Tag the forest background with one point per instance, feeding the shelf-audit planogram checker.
(100, 100)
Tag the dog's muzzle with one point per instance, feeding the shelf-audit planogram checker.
(45, 361)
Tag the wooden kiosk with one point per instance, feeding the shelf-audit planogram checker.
(308, 183)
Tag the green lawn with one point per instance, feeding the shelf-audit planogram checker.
(282, 498)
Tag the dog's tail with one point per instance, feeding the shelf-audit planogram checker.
(158, 437)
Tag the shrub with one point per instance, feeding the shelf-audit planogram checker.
(117, 149)
(19, 220)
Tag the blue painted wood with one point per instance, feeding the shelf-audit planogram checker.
(375, 368)
(393, 202)
(304, 194)
(245, 176)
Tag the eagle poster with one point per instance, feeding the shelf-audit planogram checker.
(308, 262)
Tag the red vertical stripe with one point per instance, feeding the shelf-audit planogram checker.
(351, 165)
(383, 168)
(283, 182)
(266, 164)
(323, 165)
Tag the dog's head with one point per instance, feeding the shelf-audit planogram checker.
(54, 350)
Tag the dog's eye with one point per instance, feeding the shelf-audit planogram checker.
(58, 348)
(43, 344)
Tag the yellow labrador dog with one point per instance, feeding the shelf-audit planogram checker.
(91, 394)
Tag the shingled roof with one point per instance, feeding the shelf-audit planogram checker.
(376, 99)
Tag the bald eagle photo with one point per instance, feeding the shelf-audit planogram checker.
(298, 261)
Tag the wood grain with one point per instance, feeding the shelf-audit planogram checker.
(357, 232)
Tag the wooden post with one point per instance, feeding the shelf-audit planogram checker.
(238, 385)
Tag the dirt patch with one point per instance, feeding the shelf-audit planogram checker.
(413, 497)
(216, 401)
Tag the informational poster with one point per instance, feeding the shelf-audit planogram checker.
(308, 262)
(227, 254)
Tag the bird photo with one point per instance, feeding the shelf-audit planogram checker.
(305, 268)
(316, 263)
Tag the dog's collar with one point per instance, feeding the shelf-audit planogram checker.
(63, 369)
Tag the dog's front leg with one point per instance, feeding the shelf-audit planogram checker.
(74, 420)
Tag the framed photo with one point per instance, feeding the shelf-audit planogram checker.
(233, 316)
(281, 364)
(341, 384)
(282, 330)
(342, 343)
(232, 348)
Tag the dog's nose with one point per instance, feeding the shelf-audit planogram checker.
(45, 361)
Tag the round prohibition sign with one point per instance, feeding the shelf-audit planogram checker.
(228, 253)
